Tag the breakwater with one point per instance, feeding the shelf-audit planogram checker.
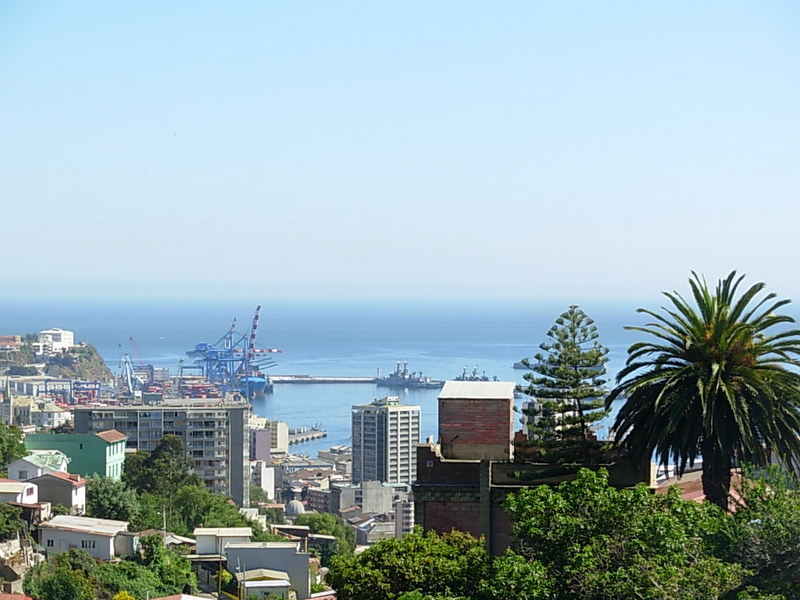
(308, 379)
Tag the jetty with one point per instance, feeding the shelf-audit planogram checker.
(308, 379)
(306, 435)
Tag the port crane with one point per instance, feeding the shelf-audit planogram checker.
(235, 363)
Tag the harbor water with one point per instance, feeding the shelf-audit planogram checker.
(335, 340)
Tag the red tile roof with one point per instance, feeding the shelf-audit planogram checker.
(76, 480)
(111, 436)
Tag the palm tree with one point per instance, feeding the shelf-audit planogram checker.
(719, 381)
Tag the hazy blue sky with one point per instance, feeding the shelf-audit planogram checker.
(576, 150)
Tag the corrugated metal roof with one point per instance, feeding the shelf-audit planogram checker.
(223, 531)
(86, 524)
(14, 487)
(478, 390)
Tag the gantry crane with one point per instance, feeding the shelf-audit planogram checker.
(235, 362)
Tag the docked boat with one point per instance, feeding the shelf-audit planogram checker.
(402, 378)
(474, 376)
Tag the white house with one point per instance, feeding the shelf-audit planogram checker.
(263, 583)
(18, 491)
(37, 463)
(284, 557)
(213, 540)
(95, 536)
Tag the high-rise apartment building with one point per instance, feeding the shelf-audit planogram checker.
(216, 436)
(385, 438)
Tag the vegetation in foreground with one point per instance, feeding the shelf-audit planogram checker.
(586, 540)
(75, 575)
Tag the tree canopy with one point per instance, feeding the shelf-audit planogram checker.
(75, 575)
(598, 542)
(718, 380)
(108, 498)
(11, 446)
(162, 471)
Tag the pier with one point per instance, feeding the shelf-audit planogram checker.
(306, 436)
(307, 379)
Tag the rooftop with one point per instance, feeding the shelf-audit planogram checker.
(478, 390)
(111, 436)
(48, 459)
(86, 525)
(224, 531)
(74, 479)
(10, 486)
(276, 545)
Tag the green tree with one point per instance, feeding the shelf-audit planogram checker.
(566, 384)
(108, 498)
(163, 471)
(61, 576)
(600, 543)
(441, 566)
(174, 571)
(328, 524)
(717, 381)
(764, 531)
(513, 576)
(11, 446)
(10, 521)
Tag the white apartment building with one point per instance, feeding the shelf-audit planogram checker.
(52, 341)
(385, 438)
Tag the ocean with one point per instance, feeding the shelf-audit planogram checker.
(334, 339)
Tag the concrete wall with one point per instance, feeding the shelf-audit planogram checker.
(211, 544)
(58, 540)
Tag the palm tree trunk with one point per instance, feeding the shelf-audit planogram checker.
(716, 473)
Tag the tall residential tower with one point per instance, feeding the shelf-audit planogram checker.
(385, 438)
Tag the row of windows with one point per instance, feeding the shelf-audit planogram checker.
(85, 544)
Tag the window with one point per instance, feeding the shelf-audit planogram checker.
(23, 474)
(29, 491)
(50, 543)
(87, 544)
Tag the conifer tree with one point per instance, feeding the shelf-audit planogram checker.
(565, 384)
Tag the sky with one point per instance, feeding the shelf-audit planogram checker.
(372, 150)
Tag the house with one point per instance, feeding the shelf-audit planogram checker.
(18, 491)
(67, 489)
(42, 414)
(213, 540)
(263, 583)
(101, 453)
(98, 537)
(37, 463)
(285, 557)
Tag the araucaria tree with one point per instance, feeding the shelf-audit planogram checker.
(717, 380)
(566, 385)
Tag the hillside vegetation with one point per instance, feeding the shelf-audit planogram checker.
(80, 362)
